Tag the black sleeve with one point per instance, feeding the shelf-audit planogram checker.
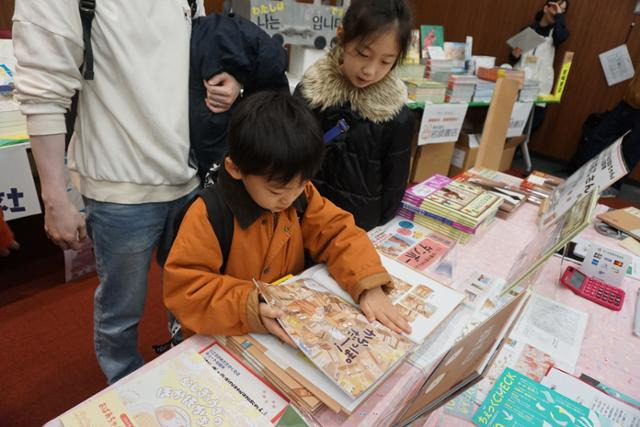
(395, 164)
(560, 30)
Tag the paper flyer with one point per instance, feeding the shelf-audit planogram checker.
(516, 400)
(598, 401)
(554, 328)
(264, 397)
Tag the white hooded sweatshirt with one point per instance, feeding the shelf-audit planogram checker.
(131, 141)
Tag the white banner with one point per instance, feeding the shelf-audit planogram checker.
(519, 117)
(18, 196)
(601, 171)
(441, 123)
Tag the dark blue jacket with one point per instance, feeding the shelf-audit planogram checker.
(221, 43)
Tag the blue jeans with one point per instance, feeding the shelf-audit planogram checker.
(124, 237)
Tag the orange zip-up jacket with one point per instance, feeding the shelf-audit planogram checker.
(265, 246)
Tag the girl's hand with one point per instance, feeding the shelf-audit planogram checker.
(376, 305)
(516, 52)
(268, 315)
(554, 8)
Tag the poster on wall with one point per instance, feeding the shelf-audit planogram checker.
(18, 196)
(616, 64)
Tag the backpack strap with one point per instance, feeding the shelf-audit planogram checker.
(221, 220)
(87, 13)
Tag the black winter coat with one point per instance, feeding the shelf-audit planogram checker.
(221, 43)
(365, 170)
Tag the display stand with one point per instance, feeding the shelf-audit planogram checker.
(496, 124)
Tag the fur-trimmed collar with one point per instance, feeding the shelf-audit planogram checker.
(324, 85)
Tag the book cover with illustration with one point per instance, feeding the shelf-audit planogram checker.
(335, 335)
(183, 391)
(430, 35)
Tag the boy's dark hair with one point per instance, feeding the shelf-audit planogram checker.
(367, 19)
(275, 135)
(541, 11)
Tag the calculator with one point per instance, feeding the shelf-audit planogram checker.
(593, 289)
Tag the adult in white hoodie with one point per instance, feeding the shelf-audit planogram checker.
(129, 156)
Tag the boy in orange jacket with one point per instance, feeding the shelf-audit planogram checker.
(275, 147)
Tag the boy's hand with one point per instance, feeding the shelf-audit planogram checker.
(222, 91)
(375, 304)
(516, 52)
(268, 315)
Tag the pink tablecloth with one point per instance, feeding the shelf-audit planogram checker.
(610, 352)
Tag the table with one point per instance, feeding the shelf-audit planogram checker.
(609, 352)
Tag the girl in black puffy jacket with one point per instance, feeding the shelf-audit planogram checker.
(366, 166)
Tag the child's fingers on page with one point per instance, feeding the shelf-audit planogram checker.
(368, 313)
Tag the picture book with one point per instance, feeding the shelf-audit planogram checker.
(464, 364)
(411, 244)
(182, 391)
(331, 331)
(431, 35)
(425, 302)
(335, 335)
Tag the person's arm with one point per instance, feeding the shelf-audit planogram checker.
(331, 236)
(560, 30)
(63, 223)
(47, 39)
(201, 298)
(395, 164)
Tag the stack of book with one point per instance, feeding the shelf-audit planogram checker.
(501, 184)
(438, 69)
(529, 91)
(493, 74)
(456, 209)
(423, 90)
(539, 186)
(460, 88)
(484, 91)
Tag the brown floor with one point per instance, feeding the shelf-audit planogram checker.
(48, 363)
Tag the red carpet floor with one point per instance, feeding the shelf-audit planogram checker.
(48, 363)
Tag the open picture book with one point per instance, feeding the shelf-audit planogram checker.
(331, 331)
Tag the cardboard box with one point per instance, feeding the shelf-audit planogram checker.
(465, 153)
(431, 159)
(510, 146)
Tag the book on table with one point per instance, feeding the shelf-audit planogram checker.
(349, 356)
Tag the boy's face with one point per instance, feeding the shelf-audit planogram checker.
(273, 196)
